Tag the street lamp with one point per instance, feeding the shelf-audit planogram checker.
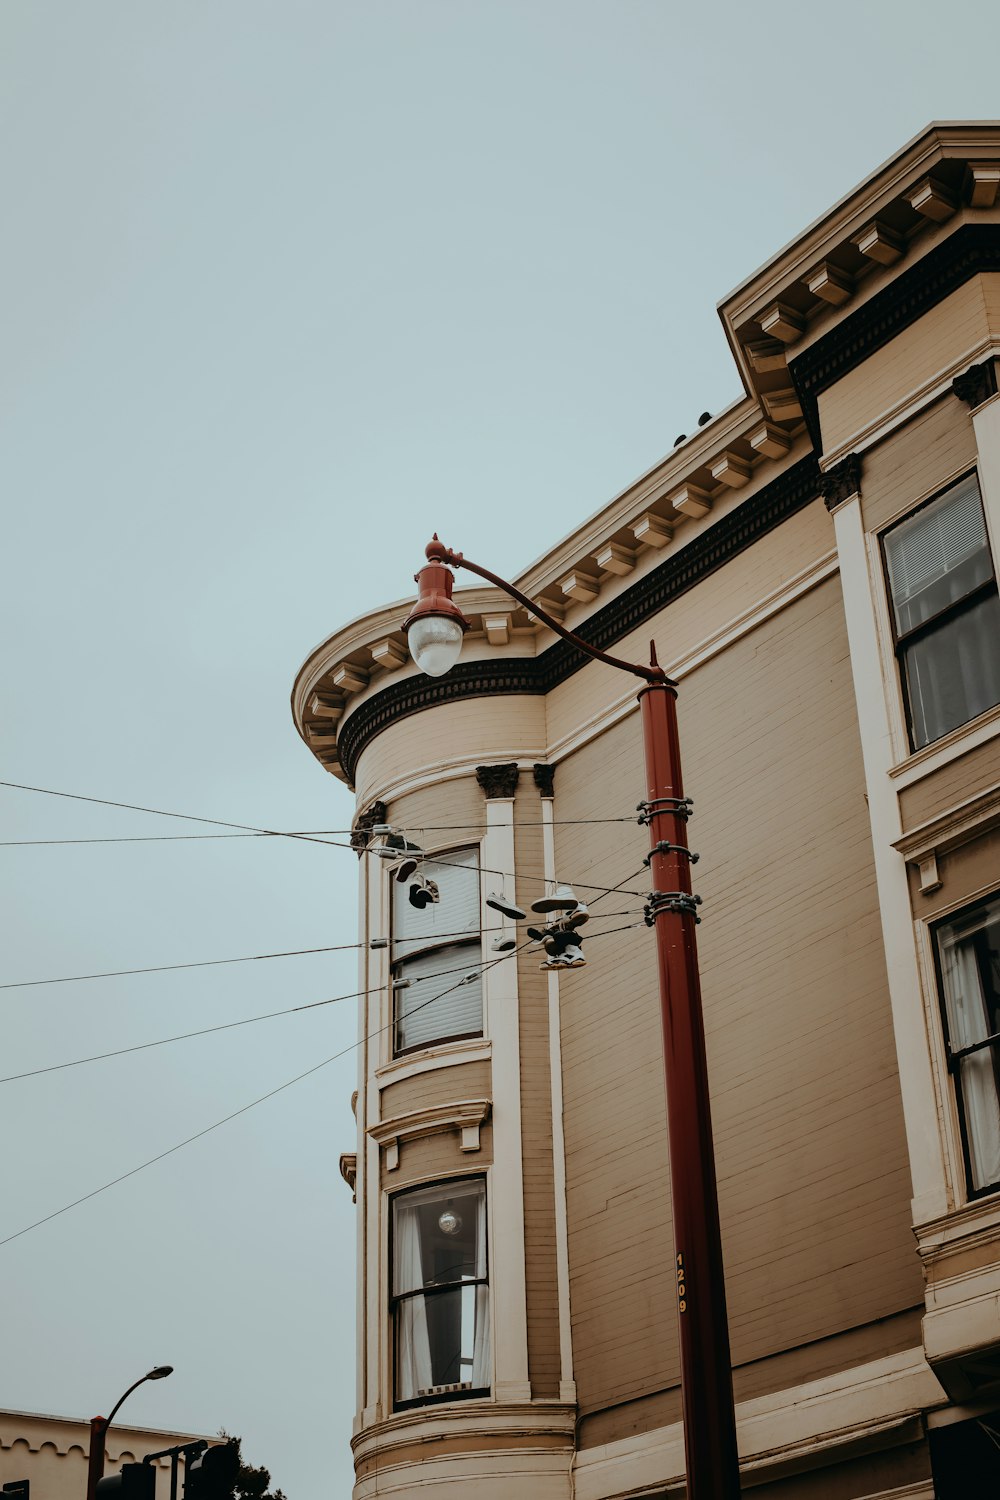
(99, 1428)
(434, 629)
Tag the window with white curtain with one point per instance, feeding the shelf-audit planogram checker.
(437, 955)
(440, 1293)
(968, 952)
(946, 612)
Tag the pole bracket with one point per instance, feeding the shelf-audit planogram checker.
(681, 902)
(681, 807)
(663, 847)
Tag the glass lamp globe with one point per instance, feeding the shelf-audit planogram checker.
(450, 1222)
(435, 643)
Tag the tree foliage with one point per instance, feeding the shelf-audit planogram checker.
(251, 1483)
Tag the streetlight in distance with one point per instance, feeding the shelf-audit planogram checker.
(434, 629)
(99, 1428)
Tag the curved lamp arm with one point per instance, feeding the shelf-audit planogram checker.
(653, 673)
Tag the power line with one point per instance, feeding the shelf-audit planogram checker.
(226, 1119)
(185, 1036)
(210, 963)
(271, 1015)
(170, 1151)
(158, 812)
(271, 832)
(205, 963)
(310, 833)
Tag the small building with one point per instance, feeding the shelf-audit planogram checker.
(52, 1453)
(817, 566)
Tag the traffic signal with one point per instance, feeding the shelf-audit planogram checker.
(135, 1482)
(213, 1473)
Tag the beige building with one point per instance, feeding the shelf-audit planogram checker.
(817, 565)
(52, 1453)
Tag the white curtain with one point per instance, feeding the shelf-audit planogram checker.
(413, 1350)
(481, 1361)
(967, 1023)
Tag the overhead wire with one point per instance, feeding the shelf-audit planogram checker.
(268, 832)
(290, 1010)
(244, 1109)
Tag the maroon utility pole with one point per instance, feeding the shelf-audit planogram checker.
(711, 1455)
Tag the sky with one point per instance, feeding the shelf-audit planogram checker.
(286, 287)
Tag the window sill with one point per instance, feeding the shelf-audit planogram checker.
(465, 1115)
(949, 747)
(444, 1055)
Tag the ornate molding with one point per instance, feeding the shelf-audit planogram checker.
(792, 490)
(349, 1172)
(841, 482)
(977, 384)
(498, 781)
(971, 250)
(544, 779)
(465, 1115)
(364, 824)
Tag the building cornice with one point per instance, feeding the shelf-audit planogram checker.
(710, 550)
(795, 332)
(970, 251)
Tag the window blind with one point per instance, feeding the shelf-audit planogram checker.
(932, 543)
(457, 912)
(459, 1013)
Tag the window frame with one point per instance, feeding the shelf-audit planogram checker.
(394, 1301)
(953, 1056)
(902, 643)
(396, 964)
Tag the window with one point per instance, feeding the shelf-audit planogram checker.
(946, 612)
(434, 948)
(440, 1293)
(968, 953)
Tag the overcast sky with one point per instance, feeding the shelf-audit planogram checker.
(286, 287)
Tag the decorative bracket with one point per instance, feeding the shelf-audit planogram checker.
(977, 384)
(465, 1115)
(544, 779)
(365, 823)
(349, 1172)
(498, 781)
(842, 482)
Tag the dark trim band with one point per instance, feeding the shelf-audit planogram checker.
(971, 250)
(797, 487)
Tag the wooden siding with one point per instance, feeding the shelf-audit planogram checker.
(431, 1158)
(801, 1055)
(966, 873)
(536, 1116)
(950, 785)
(701, 612)
(886, 379)
(486, 729)
(460, 805)
(916, 461)
(469, 1080)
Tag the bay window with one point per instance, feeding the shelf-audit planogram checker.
(440, 1293)
(434, 947)
(968, 954)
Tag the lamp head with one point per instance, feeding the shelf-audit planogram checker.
(160, 1372)
(435, 625)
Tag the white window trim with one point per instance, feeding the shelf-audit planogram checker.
(865, 608)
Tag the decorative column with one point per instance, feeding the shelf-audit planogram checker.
(500, 1003)
(545, 782)
(841, 488)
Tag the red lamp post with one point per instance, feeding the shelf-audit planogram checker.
(99, 1429)
(435, 628)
